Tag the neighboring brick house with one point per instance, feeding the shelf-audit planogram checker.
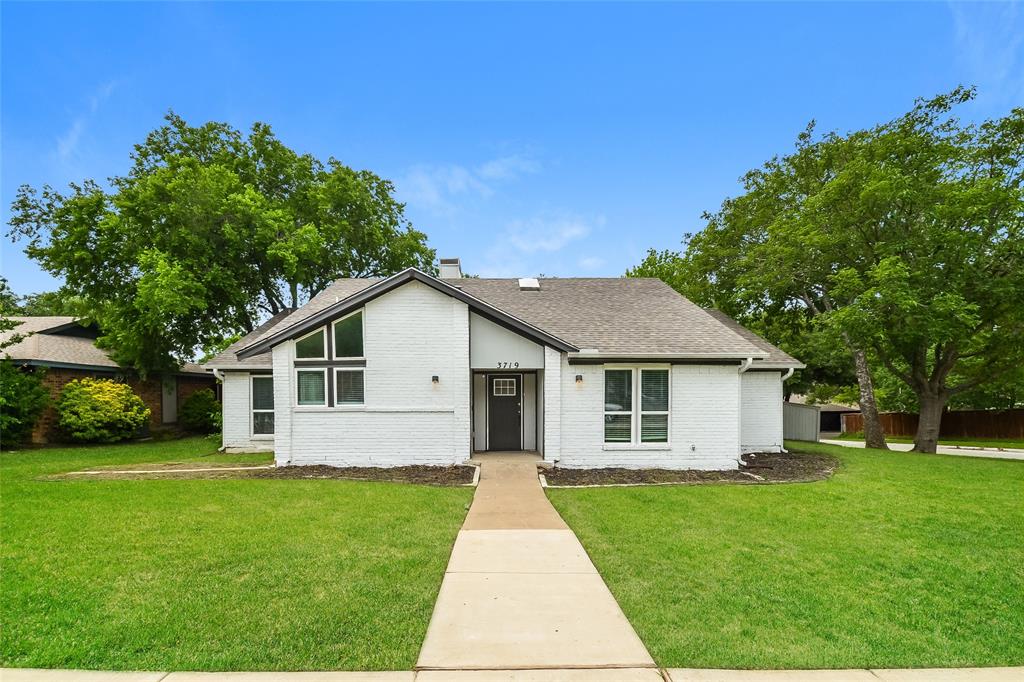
(66, 350)
(588, 372)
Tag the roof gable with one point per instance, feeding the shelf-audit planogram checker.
(602, 317)
(319, 312)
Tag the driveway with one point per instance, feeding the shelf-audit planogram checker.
(942, 449)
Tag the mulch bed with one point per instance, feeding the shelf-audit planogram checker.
(424, 475)
(756, 469)
(427, 475)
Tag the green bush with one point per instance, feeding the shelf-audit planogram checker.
(100, 411)
(22, 399)
(201, 412)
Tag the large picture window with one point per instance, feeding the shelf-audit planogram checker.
(312, 386)
(348, 336)
(636, 405)
(348, 387)
(262, 406)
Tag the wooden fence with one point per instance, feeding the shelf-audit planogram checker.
(959, 424)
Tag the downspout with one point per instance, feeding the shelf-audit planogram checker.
(219, 376)
(744, 366)
(787, 374)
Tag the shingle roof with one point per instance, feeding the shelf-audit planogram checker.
(44, 348)
(338, 290)
(614, 316)
(776, 356)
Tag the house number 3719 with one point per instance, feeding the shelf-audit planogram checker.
(508, 365)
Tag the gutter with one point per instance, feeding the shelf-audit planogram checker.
(789, 373)
(745, 365)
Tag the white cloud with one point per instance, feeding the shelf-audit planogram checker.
(989, 42)
(440, 188)
(591, 263)
(435, 187)
(68, 142)
(545, 234)
(508, 167)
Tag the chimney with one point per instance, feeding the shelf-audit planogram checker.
(451, 268)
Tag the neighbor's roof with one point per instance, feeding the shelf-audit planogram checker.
(776, 356)
(46, 342)
(613, 316)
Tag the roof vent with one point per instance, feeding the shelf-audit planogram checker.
(529, 284)
(451, 268)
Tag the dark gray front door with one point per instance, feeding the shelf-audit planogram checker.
(504, 411)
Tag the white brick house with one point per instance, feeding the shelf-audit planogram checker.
(416, 369)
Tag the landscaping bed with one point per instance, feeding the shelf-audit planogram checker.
(756, 469)
(426, 475)
(419, 474)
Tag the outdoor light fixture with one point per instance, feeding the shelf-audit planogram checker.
(579, 378)
(435, 379)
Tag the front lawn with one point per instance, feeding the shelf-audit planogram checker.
(951, 442)
(214, 574)
(899, 560)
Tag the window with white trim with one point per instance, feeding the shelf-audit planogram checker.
(262, 405)
(312, 346)
(653, 405)
(636, 405)
(348, 336)
(618, 405)
(348, 386)
(311, 386)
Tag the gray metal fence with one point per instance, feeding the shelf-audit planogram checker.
(800, 422)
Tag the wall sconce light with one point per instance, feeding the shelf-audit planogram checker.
(579, 378)
(436, 379)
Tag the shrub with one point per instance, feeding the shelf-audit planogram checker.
(201, 412)
(22, 399)
(100, 411)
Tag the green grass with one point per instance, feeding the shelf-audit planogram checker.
(962, 442)
(214, 574)
(900, 560)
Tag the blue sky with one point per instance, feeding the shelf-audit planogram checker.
(526, 138)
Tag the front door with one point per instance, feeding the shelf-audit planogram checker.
(505, 411)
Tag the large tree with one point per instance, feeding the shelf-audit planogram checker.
(209, 231)
(903, 243)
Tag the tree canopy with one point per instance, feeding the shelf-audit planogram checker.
(902, 243)
(209, 231)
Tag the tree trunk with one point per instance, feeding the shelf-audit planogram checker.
(874, 437)
(929, 420)
(295, 294)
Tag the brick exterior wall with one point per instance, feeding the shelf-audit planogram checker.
(150, 390)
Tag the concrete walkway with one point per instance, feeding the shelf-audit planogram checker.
(520, 593)
(942, 449)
